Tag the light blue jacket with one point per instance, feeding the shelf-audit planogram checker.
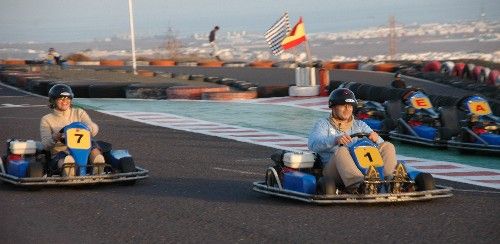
(323, 136)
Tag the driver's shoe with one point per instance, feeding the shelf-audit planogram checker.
(68, 166)
(98, 165)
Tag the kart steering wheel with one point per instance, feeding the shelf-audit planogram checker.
(360, 135)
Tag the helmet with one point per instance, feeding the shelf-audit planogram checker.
(397, 75)
(58, 91)
(341, 96)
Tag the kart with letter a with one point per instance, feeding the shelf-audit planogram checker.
(299, 176)
(421, 123)
(480, 128)
(27, 164)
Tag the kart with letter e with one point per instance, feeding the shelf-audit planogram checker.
(421, 123)
(298, 176)
(27, 164)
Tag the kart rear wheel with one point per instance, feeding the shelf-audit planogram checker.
(127, 165)
(270, 179)
(424, 182)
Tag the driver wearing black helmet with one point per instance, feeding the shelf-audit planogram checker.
(60, 98)
(329, 135)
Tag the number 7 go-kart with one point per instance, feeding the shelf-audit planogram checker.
(26, 164)
(299, 176)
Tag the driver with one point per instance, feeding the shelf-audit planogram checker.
(60, 97)
(329, 135)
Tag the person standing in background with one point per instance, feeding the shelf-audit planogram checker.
(211, 41)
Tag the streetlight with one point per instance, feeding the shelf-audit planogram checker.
(132, 36)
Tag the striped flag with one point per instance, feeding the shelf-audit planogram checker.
(277, 33)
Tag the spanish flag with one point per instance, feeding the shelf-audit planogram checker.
(296, 36)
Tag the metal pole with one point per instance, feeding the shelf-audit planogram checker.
(312, 75)
(132, 36)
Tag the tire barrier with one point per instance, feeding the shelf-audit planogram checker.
(108, 90)
(494, 78)
(111, 62)
(192, 92)
(458, 69)
(483, 75)
(234, 64)
(197, 77)
(350, 65)
(40, 86)
(21, 81)
(240, 95)
(386, 67)
(138, 63)
(210, 63)
(148, 90)
(247, 86)
(447, 68)
(165, 74)
(272, 91)
(334, 84)
(162, 62)
(182, 76)
(146, 73)
(261, 64)
(432, 66)
(476, 72)
(14, 62)
(80, 88)
(212, 79)
(467, 73)
(226, 81)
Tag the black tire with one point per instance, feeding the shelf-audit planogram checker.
(270, 179)
(425, 182)
(127, 165)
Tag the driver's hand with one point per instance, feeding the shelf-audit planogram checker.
(57, 136)
(344, 139)
(373, 136)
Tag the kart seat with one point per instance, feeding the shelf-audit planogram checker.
(449, 121)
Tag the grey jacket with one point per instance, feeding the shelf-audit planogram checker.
(323, 136)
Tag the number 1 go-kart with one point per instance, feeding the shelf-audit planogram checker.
(299, 176)
(27, 165)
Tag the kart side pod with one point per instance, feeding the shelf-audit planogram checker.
(299, 181)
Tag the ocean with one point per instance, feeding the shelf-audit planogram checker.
(74, 20)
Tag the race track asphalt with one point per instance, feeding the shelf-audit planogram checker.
(200, 191)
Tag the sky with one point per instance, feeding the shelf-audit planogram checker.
(79, 20)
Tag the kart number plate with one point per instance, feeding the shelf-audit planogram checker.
(479, 107)
(368, 156)
(78, 138)
(421, 102)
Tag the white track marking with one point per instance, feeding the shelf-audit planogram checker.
(440, 169)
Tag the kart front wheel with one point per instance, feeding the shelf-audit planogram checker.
(424, 182)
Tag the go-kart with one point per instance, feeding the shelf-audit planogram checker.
(374, 115)
(480, 130)
(27, 164)
(299, 176)
(421, 123)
